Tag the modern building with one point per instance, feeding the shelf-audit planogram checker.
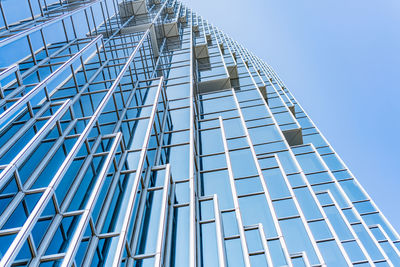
(136, 133)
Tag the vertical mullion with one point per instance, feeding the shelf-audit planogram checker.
(126, 220)
(305, 223)
(192, 198)
(265, 245)
(262, 180)
(158, 261)
(350, 203)
(92, 200)
(4, 17)
(220, 233)
(235, 198)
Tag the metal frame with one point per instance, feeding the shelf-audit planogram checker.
(86, 110)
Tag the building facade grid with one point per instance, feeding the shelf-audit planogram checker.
(136, 133)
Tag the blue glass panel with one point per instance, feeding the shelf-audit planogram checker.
(297, 239)
(234, 253)
(331, 253)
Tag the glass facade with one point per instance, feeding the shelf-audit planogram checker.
(136, 133)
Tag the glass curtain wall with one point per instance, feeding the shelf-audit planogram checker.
(136, 133)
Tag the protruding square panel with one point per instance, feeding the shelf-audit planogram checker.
(214, 85)
(263, 90)
(221, 46)
(294, 136)
(232, 70)
(183, 19)
(201, 50)
(170, 9)
(171, 29)
(131, 8)
(291, 108)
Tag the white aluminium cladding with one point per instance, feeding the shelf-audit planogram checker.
(136, 133)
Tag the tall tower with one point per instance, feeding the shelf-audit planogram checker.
(136, 133)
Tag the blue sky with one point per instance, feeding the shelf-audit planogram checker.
(341, 60)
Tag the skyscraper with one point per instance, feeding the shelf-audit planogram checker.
(136, 133)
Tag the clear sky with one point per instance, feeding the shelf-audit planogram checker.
(341, 60)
